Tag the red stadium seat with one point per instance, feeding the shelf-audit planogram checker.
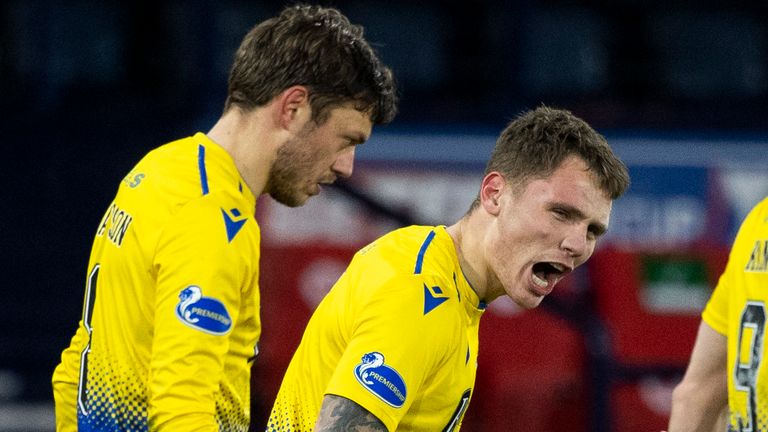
(649, 303)
(293, 280)
(530, 372)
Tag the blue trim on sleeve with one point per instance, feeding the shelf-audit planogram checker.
(422, 251)
(201, 167)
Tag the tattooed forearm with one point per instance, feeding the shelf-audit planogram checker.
(341, 414)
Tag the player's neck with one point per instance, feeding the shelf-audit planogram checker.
(246, 137)
(465, 240)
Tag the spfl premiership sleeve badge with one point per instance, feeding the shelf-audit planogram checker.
(380, 379)
(206, 314)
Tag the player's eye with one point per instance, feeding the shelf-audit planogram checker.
(560, 213)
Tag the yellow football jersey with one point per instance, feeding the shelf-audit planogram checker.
(171, 311)
(397, 334)
(737, 310)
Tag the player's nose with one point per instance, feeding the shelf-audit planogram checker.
(344, 163)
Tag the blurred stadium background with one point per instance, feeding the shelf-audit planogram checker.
(679, 87)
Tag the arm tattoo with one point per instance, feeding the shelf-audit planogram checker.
(341, 414)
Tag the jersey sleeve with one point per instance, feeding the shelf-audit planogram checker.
(199, 279)
(716, 312)
(396, 344)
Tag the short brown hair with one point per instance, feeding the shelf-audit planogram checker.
(316, 47)
(535, 144)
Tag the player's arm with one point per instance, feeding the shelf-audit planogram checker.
(701, 397)
(196, 269)
(339, 413)
(387, 336)
(721, 423)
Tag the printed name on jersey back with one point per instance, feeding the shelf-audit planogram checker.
(118, 221)
(758, 260)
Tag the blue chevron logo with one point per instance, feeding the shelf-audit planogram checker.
(233, 226)
(430, 300)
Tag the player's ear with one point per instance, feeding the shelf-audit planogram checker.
(293, 107)
(491, 188)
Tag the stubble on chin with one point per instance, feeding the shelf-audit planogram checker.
(282, 182)
(287, 196)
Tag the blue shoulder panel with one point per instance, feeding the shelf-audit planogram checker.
(422, 251)
(201, 167)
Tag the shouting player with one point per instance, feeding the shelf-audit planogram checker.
(393, 346)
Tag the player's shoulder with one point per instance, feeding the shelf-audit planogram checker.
(187, 170)
(169, 167)
(755, 225)
(177, 176)
(407, 238)
(759, 214)
(222, 210)
(185, 147)
(403, 256)
(408, 248)
(431, 296)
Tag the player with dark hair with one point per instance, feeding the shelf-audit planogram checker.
(393, 346)
(171, 313)
(727, 373)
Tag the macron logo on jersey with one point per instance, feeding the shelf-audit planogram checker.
(380, 379)
(202, 313)
(431, 299)
(233, 225)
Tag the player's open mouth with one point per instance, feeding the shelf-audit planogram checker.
(546, 274)
(319, 185)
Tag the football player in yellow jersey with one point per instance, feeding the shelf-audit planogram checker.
(393, 346)
(724, 387)
(171, 312)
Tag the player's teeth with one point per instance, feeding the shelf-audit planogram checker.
(539, 281)
(558, 267)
